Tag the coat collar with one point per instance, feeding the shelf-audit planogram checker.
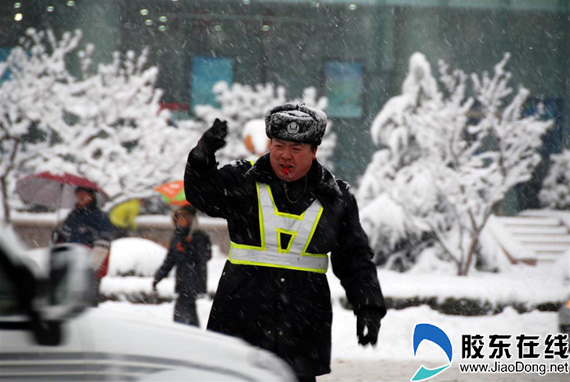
(87, 209)
(320, 180)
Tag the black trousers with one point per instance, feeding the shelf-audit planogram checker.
(95, 292)
(185, 311)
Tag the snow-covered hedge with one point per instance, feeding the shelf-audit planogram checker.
(134, 261)
(135, 257)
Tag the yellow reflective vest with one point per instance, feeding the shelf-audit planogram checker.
(274, 226)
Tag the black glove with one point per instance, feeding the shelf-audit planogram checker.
(214, 138)
(154, 284)
(369, 319)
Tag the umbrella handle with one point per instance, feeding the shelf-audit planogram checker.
(59, 199)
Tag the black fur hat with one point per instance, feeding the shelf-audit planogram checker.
(297, 123)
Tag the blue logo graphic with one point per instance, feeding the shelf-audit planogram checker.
(437, 336)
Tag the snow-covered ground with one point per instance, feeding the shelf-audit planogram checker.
(530, 284)
(395, 341)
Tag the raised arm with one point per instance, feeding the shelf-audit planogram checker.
(167, 265)
(203, 186)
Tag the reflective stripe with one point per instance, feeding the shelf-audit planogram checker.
(272, 224)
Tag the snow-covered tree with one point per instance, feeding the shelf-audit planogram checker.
(116, 134)
(555, 192)
(105, 125)
(393, 230)
(447, 157)
(242, 104)
(31, 100)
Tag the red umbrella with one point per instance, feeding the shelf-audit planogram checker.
(53, 190)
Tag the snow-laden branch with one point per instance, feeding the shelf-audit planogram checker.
(448, 157)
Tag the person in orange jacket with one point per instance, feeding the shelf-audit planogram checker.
(190, 249)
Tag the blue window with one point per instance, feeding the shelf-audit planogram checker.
(206, 72)
(344, 86)
(4, 53)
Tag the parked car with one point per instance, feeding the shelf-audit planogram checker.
(48, 331)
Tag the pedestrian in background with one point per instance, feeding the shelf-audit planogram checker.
(123, 217)
(285, 214)
(87, 224)
(190, 250)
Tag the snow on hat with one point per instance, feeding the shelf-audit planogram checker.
(297, 123)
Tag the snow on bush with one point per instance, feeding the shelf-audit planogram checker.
(135, 257)
(448, 153)
(524, 287)
(555, 192)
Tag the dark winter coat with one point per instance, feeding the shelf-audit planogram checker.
(285, 311)
(189, 254)
(86, 225)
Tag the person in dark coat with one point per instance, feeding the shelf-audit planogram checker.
(190, 250)
(286, 213)
(87, 224)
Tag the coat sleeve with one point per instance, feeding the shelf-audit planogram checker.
(105, 230)
(168, 263)
(67, 226)
(352, 260)
(212, 190)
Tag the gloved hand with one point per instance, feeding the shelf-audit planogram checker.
(214, 138)
(154, 284)
(369, 319)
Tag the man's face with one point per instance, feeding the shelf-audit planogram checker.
(84, 198)
(290, 160)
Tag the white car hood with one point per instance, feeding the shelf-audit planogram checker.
(120, 346)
